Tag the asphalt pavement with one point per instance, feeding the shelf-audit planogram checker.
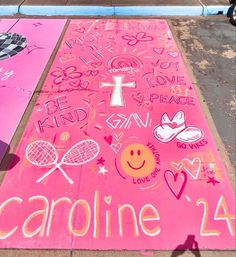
(209, 45)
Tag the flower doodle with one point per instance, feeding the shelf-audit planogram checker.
(140, 37)
(69, 73)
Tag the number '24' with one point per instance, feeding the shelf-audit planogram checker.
(225, 216)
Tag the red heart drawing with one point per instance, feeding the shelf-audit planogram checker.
(108, 139)
(172, 125)
(176, 182)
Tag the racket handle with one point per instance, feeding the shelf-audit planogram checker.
(47, 174)
(66, 176)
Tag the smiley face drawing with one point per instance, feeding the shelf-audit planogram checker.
(137, 160)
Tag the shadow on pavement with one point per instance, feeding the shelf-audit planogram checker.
(189, 244)
(9, 160)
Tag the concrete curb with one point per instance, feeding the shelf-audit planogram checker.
(214, 10)
(158, 10)
(9, 9)
(66, 10)
(46, 10)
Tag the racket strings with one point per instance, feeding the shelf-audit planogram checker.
(81, 153)
(41, 153)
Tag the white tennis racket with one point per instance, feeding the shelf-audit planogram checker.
(42, 153)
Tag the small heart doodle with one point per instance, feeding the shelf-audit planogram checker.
(107, 199)
(173, 54)
(96, 64)
(80, 30)
(91, 73)
(116, 147)
(193, 167)
(138, 97)
(177, 166)
(118, 137)
(158, 50)
(108, 139)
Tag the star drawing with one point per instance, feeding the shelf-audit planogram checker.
(100, 161)
(212, 180)
(102, 170)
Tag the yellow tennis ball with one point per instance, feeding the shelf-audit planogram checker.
(64, 136)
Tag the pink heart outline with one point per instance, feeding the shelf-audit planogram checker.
(116, 147)
(87, 73)
(79, 84)
(67, 58)
(118, 136)
(173, 54)
(96, 64)
(84, 84)
(91, 73)
(80, 30)
(177, 166)
(192, 165)
(159, 50)
(107, 199)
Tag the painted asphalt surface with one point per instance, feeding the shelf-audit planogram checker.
(209, 45)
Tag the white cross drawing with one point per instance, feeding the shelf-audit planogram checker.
(117, 97)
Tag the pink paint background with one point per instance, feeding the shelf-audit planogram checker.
(6, 24)
(27, 68)
(178, 218)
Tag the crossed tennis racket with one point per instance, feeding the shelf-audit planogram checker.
(42, 153)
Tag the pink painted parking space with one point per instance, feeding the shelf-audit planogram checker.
(117, 153)
(26, 46)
